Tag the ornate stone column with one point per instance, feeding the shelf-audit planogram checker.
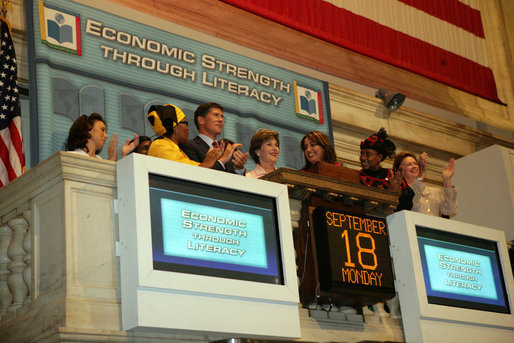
(16, 266)
(5, 294)
(27, 259)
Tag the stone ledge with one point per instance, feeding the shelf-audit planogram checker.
(58, 167)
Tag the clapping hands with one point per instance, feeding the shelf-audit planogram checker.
(127, 148)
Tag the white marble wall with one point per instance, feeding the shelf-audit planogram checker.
(57, 249)
(59, 273)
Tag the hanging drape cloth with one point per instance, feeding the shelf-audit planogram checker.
(439, 39)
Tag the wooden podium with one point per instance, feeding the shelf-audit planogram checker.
(336, 188)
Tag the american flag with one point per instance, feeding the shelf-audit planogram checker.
(12, 159)
(440, 39)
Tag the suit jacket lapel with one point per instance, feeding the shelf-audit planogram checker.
(202, 146)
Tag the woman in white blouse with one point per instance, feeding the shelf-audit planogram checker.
(88, 134)
(264, 149)
(418, 197)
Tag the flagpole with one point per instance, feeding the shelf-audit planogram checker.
(6, 4)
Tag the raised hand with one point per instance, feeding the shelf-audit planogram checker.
(229, 151)
(396, 181)
(112, 151)
(222, 145)
(422, 164)
(128, 147)
(448, 171)
(239, 159)
(210, 158)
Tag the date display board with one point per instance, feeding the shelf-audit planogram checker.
(352, 252)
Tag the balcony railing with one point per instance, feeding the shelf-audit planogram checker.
(59, 271)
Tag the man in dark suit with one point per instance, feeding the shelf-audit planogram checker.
(209, 120)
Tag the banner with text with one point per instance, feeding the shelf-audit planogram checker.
(89, 61)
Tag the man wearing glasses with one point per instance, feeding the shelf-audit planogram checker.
(209, 121)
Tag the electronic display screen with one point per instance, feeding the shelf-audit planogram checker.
(461, 271)
(213, 231)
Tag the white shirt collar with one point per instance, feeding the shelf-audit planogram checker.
(206, 139)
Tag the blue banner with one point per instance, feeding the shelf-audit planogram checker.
(92, 61)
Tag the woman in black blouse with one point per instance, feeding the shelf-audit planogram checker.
(374, 150)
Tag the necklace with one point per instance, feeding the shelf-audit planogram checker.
(371, 181)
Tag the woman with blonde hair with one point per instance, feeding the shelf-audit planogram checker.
(418, 197)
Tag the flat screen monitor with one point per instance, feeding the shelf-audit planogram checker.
(461, 271)
(454, 279)
(205, 251)
(213, 231)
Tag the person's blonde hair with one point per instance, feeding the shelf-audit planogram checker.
(400, 157)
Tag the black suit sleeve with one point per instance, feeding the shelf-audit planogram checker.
(218, 166)
(230, 168)
(191, 152)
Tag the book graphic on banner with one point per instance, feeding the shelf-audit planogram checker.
(60, 29)
(62, 33)
(308, 103)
